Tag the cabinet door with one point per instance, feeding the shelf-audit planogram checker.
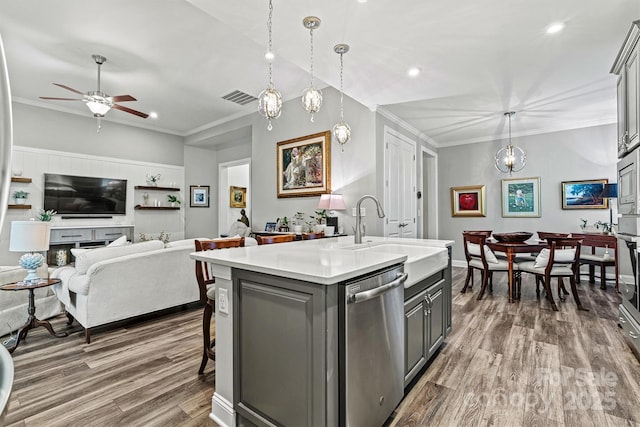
(415, 335)
(436, 319)
(622, 116)
(632, 99)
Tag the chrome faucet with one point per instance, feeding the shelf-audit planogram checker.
(358, 230)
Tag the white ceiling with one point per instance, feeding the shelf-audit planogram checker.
(179, 57)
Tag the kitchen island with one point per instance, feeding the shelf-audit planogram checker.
(280, 325)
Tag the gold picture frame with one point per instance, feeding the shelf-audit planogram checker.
(468, 201)
(237, 197)
(304, 166)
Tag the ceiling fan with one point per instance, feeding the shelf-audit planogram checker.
(97, 101)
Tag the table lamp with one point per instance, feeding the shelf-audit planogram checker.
(31, 237)
(332, 202)
(610, 191)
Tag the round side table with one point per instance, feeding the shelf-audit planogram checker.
(32, 322)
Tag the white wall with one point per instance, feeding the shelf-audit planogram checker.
(236, 176)
(580, 154)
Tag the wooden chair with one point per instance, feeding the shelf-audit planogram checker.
(311, 236)
(563, 261)
(277, 238)
(206, 281)
(598, 258)
(469, 278)
(477, 258)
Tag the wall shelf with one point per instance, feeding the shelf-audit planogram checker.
(19, 206)
(20, 179)
(150, 187)
(156, 208)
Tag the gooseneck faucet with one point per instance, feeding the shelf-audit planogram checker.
(358, 230)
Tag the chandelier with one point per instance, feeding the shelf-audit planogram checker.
(311, 97)
(510, 159)
(341, 130)
(270, 100)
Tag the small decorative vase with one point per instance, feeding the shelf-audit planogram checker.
(61, 257)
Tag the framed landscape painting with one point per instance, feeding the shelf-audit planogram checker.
(521, 197)
(468, 201)
(304, 166)
(584, 194)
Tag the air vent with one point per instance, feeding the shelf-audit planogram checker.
(239, 97)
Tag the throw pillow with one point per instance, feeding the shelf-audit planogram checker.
(474, 249)
(560, 255)
(120, 241)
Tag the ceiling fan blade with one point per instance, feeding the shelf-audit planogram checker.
(129, 110)
(69, 88)
(123, 98)
(61, 99)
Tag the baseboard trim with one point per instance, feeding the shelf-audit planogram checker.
(222, 411)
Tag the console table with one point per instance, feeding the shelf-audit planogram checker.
(84, 236)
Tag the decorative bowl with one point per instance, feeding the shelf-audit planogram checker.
(517, 237)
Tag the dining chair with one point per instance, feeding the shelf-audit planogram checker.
(559, 259)
(469, 279)
(278, 238)
(311, 236)
(543, 235)
(206, 284)
(600, 256)
(480, 257)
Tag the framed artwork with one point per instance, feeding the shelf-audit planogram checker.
(521, 197)
(237, 197)
(199, 196)
(271, 226)
(584, 194)
(304, 165)
(468, 201)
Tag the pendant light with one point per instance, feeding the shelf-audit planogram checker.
(270, 100)
(311, 97)
(510, 159)
(341, 130)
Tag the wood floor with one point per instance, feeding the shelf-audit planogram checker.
(504, 365)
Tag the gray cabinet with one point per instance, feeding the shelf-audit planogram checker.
(66, 238)
(427, 305)
(627, 67)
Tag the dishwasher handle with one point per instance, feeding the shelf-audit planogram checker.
(372, 293)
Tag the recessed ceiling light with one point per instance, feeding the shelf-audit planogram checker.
(153, 115)
(555, 28)
(269, 56)
(413, 72)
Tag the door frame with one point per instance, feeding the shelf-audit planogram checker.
(414, 206)
(223, 201)
(432, 193)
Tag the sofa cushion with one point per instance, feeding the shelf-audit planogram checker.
(88, 258)
(185, 242)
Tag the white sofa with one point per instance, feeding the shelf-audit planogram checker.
(116, 283)
(14, 304)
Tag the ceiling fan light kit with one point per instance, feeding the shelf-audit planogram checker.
(510, 159)
(98, 102)
(311, 97)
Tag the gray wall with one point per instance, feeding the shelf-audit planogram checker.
(579, 154)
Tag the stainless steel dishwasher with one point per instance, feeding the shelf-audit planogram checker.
(372, 347)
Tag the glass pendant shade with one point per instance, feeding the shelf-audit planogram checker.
(510, 159)
(342, 132)
(312, 100)
(270, 104)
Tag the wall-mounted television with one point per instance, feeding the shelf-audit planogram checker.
(85, 195)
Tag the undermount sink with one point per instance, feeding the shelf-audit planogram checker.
(422, 261)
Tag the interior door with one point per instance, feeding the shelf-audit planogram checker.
(400, 185)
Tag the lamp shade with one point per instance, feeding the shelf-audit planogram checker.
(29, 236)
(332, 202)
(610, 190)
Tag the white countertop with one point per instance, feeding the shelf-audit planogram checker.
(324, 261)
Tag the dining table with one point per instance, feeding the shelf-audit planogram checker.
(510, 249)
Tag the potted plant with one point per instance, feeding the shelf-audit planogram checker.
(20, 197)
(321, 219)
(173, 200)
(283, 224)
(46, 216)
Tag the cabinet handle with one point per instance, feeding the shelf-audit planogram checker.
(622, 320)
(633, 335)
(112, 234)
(71, 235)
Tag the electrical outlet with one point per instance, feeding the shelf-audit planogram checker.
(223, 301)
(363, 211)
